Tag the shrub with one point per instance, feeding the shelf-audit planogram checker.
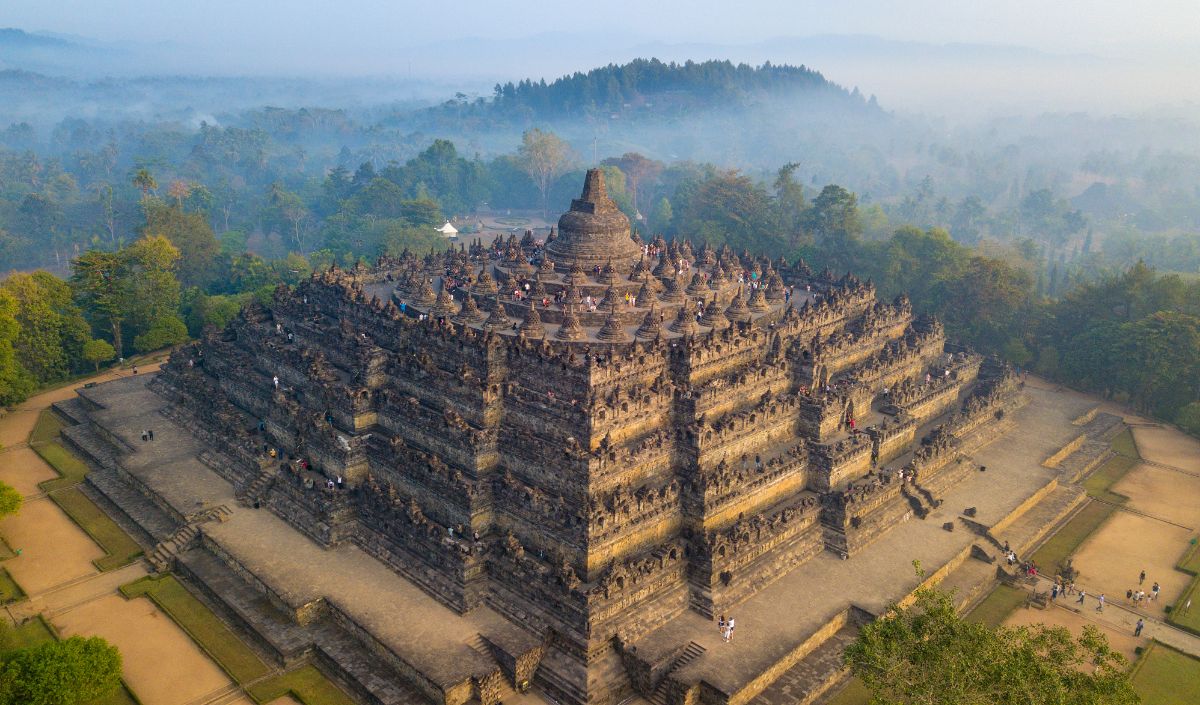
(66, 672)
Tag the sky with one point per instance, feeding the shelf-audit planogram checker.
(352, 25)
(1025, 54)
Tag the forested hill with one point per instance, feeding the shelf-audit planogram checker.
(651, 87)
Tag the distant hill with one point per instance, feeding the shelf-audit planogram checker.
(652, 87)
(12, 38)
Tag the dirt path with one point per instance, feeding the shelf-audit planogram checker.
(162, 664)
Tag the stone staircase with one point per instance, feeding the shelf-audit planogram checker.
(505, 693)
(342, 656)
(217, 513)
(812, 676)
(164, 553)
(140, 510)
(258, 487)
(691, 653)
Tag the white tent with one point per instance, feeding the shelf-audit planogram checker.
(448, 230)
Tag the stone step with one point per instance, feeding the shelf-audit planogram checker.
(1030, 528)
(812, 676)
(133, 504)
(343, 657)
(91, 445)
(692, 652)
(71, 409)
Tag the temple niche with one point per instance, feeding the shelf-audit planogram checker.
(596, 437)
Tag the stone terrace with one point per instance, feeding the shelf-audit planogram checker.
(294, 571)
(772, 624)
(786, 622)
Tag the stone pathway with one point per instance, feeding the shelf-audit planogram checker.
(161, 662)
(1123, 618)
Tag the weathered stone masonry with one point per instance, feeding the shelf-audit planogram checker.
(590, 436)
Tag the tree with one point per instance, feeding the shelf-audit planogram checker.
(661, 216)
(100, 285)
(543, 155)
(926, 653)
(98, 350)
(67, 672)
(164, 332)
(789, 200)
(833, 221)
(144, 181)
(1188, 418)
(10, 500)
(638, 170)
(190, 232)
(15, 382)
(135, 285)
(52, 328)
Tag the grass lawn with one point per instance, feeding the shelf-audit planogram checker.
(306, 684)
(46, 429)
(999, 603)
(1184, 617)
(121, 549)
(120, 696)
(10, 592)
(1123, 444)
(1190, 562)
(1055, 551)
(855, 693)
(1098, 483)
(31, 633)
(1164, 676)
(209, 632)
(71, 469)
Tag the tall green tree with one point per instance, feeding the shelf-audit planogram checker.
(543, 155)
(834, 223)
(190, 232)
(134, 286)
(52, 328)
(68, 672)
(926, 653)
(15, 381)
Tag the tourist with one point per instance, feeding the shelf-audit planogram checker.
(1129, 595)
(1153, 589)
(275, 380)
(150, 433)
(1100, 603)
(1142, 578)
(145, 435)
(721, 625)
(1137, 630)
(1054, 592)
(729, 630)
(1082, 597)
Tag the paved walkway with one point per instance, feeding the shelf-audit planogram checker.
(1123, 617)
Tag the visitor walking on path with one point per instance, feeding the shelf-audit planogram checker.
(1100, 606)
(1142, 578)
(1137, 630)
(1153, 589)
(1082, 596)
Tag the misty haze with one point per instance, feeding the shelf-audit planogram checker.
(513, 353)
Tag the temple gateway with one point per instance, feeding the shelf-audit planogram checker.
(546, 471)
